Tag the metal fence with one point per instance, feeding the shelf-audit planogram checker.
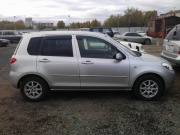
(129, 29)
(119, 29)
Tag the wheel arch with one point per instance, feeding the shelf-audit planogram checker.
(32, 75)
(125, 39)
(154, 74)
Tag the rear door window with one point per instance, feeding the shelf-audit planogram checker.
(57, 46)
(137, 35)
(11, 33)
(129, 34)
(6, 33)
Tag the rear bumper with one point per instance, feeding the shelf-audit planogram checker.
(14, 78)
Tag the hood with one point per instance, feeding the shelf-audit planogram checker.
(151, 58)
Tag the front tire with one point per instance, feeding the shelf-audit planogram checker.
(34, 89)
(148, 87)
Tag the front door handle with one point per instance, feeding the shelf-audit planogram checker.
(44, 60)
(87, 62)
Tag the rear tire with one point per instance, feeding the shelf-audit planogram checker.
(147, 41)
(34, 89)
(148, 87)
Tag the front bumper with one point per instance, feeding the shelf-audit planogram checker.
(170, 59)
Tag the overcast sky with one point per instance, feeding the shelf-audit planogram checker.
(79, 10)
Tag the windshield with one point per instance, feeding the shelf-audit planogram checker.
(124, 47)
(174, 34)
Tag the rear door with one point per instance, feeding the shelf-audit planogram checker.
(57, 62)
(138, 38)
(98, 66)
(129, 37)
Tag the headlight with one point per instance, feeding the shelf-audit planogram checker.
(167, 66)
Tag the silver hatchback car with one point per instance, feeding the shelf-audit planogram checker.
(67, 60)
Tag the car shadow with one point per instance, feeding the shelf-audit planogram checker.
(70, 95)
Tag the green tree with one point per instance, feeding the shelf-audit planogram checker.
(95, 23)
(12, 25)
(150, 14)
(75, 25)
(60, 24)
(113, 21)
(133, 17)
(86, 24)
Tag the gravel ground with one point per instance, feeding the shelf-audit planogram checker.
(85, 112)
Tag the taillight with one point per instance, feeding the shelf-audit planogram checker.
(179, 50)
(12, 60)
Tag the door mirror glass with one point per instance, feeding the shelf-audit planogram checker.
(119, 56)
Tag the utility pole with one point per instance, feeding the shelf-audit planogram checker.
(69, 22)
(129, 23)
(15, 22)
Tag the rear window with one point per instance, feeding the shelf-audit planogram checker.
(34, 45)
(174, 34)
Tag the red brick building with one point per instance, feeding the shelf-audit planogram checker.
(157, 27)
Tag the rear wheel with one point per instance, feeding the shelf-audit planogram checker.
(147, 41)
(34, 89)
(148, 87)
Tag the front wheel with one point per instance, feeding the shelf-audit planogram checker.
(148, 87)
(34, 89)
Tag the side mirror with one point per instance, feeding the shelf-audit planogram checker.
(119, 56)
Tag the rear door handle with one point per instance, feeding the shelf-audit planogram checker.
(87, 62)
(44, 60)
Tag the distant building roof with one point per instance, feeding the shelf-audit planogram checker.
(163, 17)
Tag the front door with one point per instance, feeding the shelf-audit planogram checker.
(98, 66)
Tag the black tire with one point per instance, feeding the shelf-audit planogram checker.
(148, 87)
(34, 89)
(147, 41)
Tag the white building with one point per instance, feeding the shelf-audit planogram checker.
(28, 22)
